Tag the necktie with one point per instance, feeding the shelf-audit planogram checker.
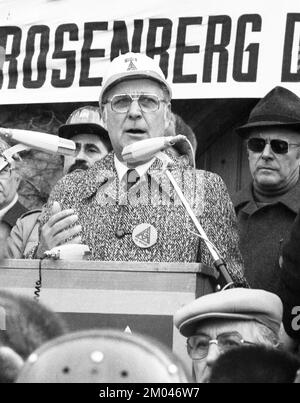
(132, 178)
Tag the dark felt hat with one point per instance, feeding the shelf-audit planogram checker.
(280, 107)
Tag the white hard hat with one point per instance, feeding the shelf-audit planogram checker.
(131, 66)
(102, 356)
(86, 119)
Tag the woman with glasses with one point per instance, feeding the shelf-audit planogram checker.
(267, 207)
(219, 322)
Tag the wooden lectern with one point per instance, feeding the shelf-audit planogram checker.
(131, 296)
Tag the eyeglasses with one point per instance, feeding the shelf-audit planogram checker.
(198, 345)
(257, 145)
(121, 103)
(5, 173)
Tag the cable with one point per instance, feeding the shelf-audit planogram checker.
(38, 284)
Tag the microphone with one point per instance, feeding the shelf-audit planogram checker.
(144, 150)
(40, 141)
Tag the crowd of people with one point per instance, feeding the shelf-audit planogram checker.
(124, 209)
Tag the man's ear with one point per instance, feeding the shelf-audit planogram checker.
(17, 178)
(104, 117)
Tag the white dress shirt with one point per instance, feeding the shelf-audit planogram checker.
(122, 169)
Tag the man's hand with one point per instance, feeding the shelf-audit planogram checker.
(58, 230)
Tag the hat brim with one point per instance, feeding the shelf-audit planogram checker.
(70, 130)
(189, 326)
(131, 75)
(244, 130)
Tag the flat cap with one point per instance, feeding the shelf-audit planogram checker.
(238, 304)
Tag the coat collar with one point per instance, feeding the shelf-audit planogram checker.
(244, 200)
(102, 171)
(14, 213)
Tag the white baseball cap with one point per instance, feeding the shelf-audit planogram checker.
(130, 66)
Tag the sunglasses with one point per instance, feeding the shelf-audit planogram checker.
(257, 145)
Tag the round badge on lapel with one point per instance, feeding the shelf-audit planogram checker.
(144, 235)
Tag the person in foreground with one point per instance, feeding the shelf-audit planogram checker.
(255, 364)
(24, 326)
(220, 321)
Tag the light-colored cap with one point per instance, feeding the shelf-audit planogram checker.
(85, 120)
(131, 66)
(238, 304)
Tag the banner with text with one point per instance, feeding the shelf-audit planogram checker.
(59, 50)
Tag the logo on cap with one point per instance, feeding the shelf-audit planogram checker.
(131, 65)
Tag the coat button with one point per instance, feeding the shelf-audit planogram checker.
(120, 233)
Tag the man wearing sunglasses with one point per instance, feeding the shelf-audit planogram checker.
(267, 207)
(121, 206)
(216, 323)
(10, 208)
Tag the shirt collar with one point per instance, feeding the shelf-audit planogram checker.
(9, 206)
(122, 169)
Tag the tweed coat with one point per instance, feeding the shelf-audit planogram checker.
(109, 214)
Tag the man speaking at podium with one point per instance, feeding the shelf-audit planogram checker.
(129, 211)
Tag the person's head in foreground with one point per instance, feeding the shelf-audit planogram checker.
(92, 142)
(218, 322)
(24, 326)
(255, 364)
(103, 356)
(272, 134)
(134, 101)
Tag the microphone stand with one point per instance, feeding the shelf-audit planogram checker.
(219, 263)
